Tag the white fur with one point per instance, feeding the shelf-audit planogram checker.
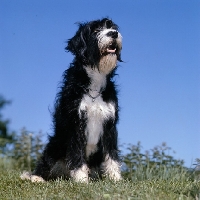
(111, 169)
(25, 176)
(33, 178)
(98, 80)
(81, 174)
(37, 179)
(97, 111)
(107, 63)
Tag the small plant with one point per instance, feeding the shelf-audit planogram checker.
(196, 170)
(27, 149)
(153, 164)
(6, 137)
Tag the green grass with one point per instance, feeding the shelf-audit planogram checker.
(12, 187)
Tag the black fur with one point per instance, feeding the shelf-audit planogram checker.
(66, 149)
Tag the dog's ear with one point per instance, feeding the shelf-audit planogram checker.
(77, 45)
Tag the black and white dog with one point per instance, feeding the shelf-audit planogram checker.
(86, 109)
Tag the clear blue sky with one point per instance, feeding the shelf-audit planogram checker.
(159, 81)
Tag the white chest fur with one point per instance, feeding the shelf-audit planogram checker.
(97, 111)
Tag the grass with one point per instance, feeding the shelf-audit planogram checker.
(12, 187)
(149, 176)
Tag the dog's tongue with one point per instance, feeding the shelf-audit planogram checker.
(111, 50)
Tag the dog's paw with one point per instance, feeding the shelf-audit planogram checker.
(33, 178)
(116, 176)
(111, 169)
(25, 176)
(80, 175)
(36, 179)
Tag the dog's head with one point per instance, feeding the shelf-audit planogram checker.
(97, 44)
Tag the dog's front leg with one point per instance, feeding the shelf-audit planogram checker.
(111, 168)
(76, 154)
(111, 165)
(80, 174)
(77, 165)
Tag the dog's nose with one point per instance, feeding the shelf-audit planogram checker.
(113, 34)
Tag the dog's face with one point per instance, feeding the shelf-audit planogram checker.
(97, 44)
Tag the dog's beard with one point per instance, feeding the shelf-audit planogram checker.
(107, 63)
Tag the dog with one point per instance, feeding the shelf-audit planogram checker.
(84, 143)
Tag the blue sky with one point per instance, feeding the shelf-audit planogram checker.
(159, 80)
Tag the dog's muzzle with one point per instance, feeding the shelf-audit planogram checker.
(112, 47)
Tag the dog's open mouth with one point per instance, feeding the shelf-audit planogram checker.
(111, 48)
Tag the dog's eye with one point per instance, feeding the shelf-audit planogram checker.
(97, 30)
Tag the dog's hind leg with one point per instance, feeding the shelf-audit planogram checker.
(43, 169)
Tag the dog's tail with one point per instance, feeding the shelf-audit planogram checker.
(33, 178)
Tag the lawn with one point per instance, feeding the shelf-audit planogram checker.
(12, 187)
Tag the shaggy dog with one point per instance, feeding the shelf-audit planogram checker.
(84, 143)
